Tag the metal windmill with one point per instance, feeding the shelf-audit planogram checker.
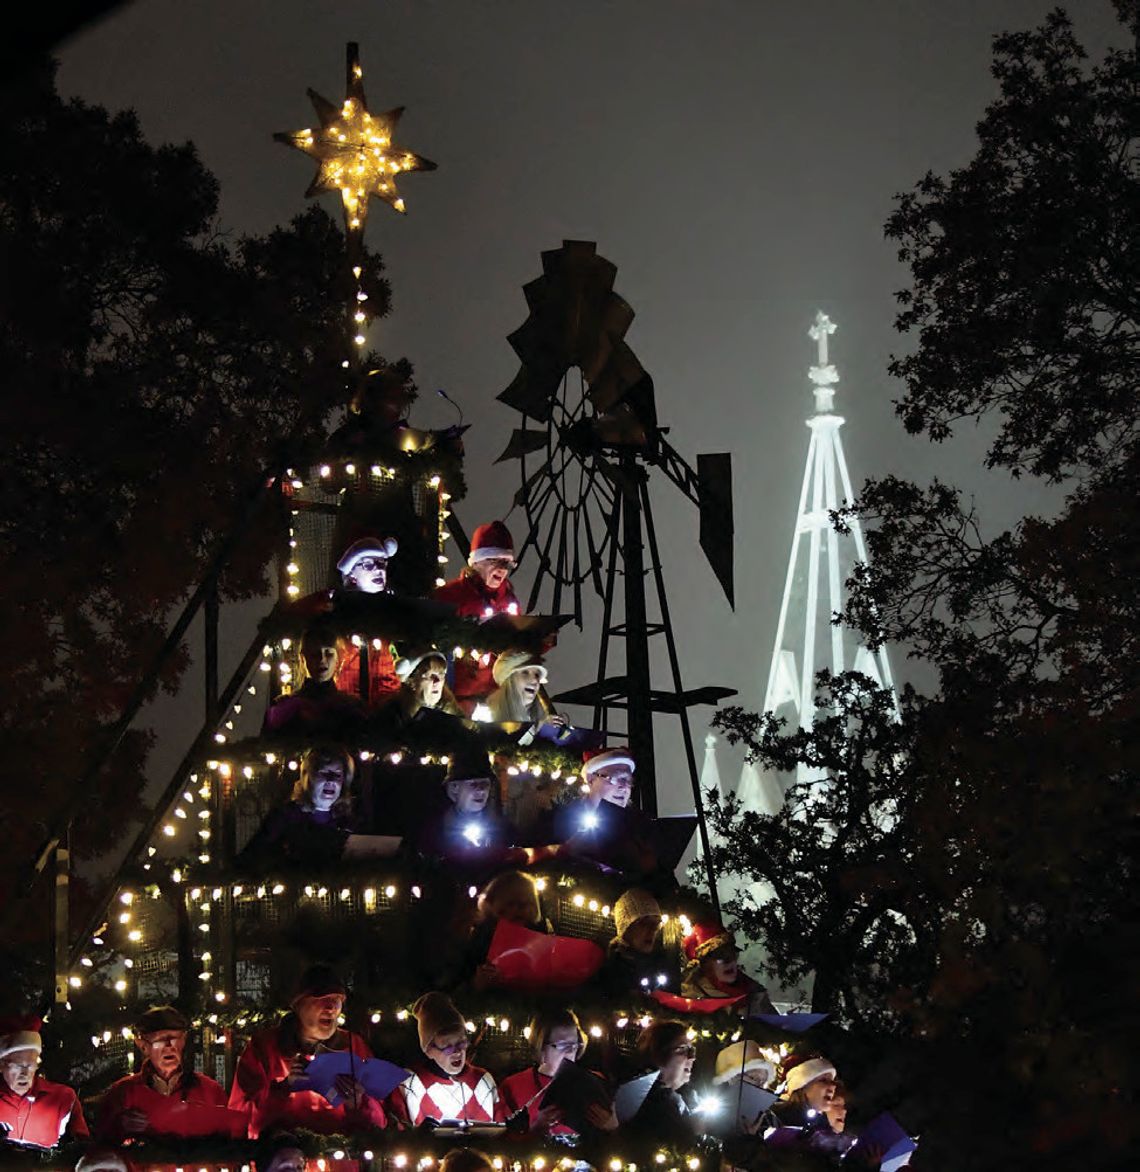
(586, 445)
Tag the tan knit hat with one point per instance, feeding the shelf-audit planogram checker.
(740, 1058)
(435, 1015)
(511, 661)
(633, 905)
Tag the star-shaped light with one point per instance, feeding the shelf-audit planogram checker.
(355, 150)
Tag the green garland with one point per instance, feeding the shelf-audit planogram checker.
(413, 622)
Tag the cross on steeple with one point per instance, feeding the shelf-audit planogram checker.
(823, 374)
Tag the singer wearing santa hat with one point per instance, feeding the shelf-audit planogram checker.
(33, 1112)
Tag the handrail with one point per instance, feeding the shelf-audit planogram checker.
(111, 741)
(200, 744)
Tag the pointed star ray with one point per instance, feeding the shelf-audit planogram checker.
(356, 151)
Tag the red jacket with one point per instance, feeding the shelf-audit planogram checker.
(521, 1088)
(134, 1092)
(45, 1115)
(260, 1089)
(472, 600)
(431, 1094)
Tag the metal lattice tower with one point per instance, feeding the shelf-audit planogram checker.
(820, 562)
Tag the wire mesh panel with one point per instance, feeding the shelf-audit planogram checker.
(336, 504)
(587, 916)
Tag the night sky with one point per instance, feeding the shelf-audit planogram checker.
(735, 160)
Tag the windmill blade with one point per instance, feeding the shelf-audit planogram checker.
(543, 568)
(577, 575)
(523, 494)
(714, 478)
(535, 509)
(560, 565)
(622, 372)
(523, 442)
(595, 558)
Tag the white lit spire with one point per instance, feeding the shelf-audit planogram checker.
(820, 562)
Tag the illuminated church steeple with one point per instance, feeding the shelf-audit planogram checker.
(820, 562)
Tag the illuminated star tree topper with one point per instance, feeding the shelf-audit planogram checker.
(355, 149)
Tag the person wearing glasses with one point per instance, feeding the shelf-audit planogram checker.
(33, 1112)
(482, 591)
(269, 1083)
(603, 825)
(160, 1035)
(556, 1036)
(444, 1084)
(713, 969)
(667, 1112)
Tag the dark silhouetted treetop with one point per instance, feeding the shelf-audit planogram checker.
(154, 368)
(1026, 263)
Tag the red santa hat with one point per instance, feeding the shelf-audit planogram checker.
(366, 547)
(595, 759)
(801, 1070)
(705, 939)
(20, 1033)
(492, 540)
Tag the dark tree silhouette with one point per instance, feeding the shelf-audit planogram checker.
(153, 369)
(1010, 1004)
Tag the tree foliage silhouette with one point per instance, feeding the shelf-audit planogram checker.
(1009, 839)
(154, 367)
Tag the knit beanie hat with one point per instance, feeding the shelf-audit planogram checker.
(491, 540)
(805, 1070)
(633, 905)
(511, 661)
(319, 980)
(160, 1017)
(738, 1059)
(20, 1033)
(435, 1015)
